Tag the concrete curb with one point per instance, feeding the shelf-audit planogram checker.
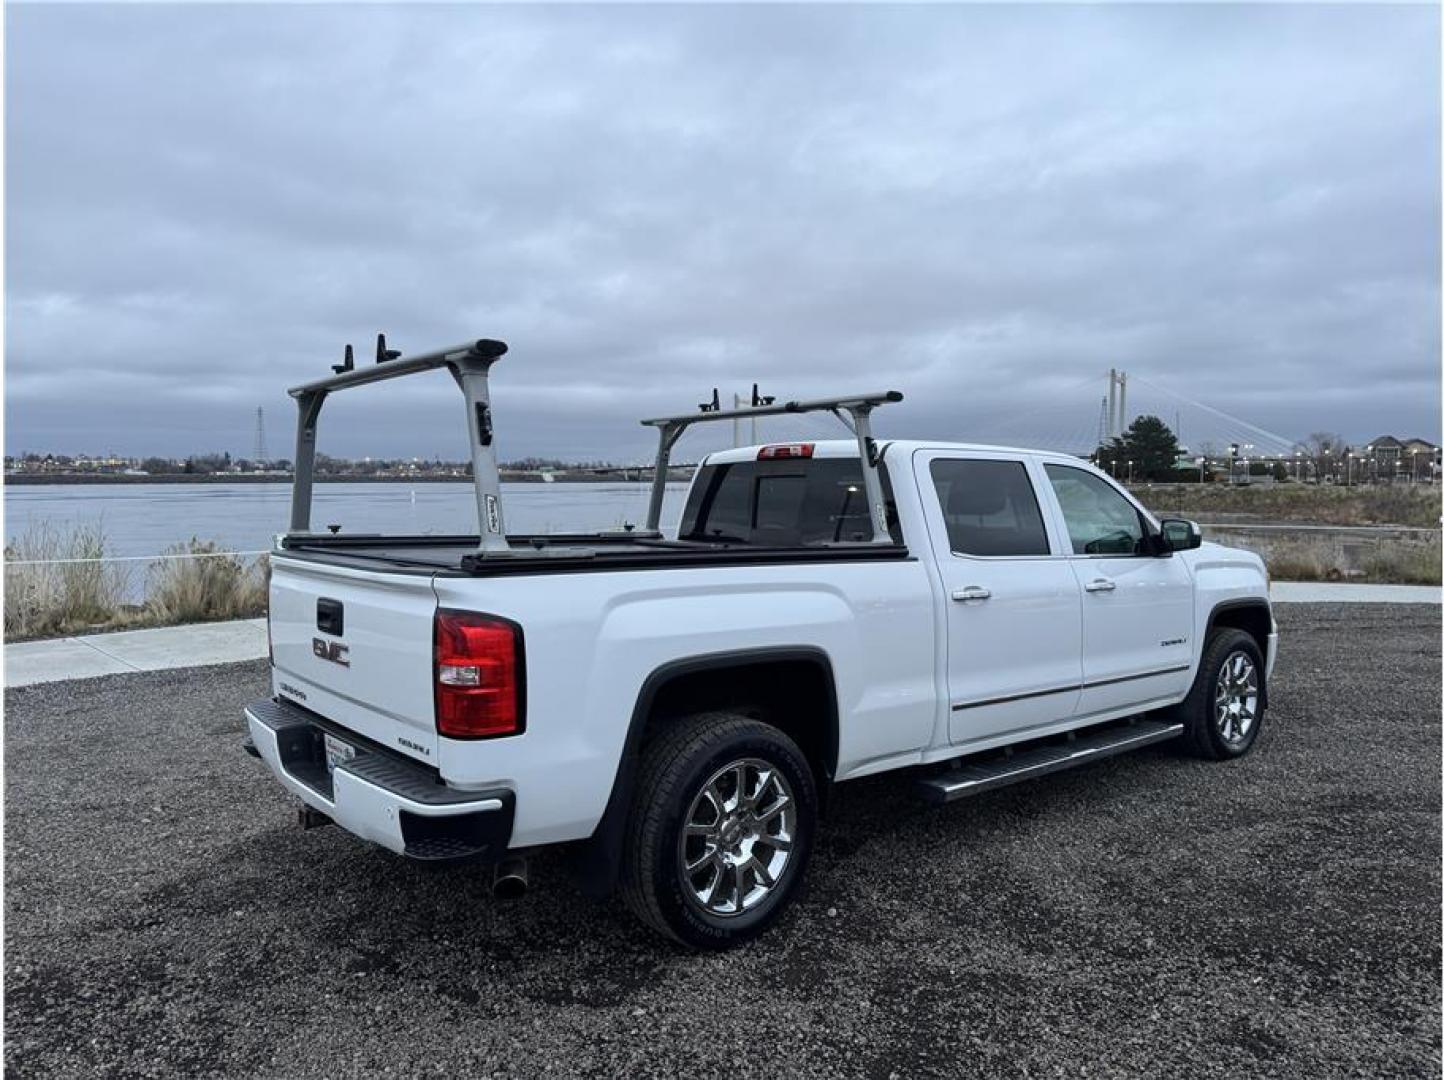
(93, 655)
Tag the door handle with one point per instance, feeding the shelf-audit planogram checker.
(1100, 585)
(972, 592)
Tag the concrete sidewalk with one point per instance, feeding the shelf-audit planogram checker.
(165, 647)
(1330, 592)
(86, 657)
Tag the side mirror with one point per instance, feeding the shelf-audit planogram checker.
(1180, 534)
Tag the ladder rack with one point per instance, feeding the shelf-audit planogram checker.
(469, 364)
(855, 412)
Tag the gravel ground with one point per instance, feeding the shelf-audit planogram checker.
(1149, 916)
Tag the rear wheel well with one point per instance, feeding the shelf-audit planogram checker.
(794, 694)
(789, 688)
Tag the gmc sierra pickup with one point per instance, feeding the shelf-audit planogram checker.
(676, 707)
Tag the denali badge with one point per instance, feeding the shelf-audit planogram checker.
(333, 651)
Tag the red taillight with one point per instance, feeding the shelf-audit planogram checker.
(785, 450)
(480, 682)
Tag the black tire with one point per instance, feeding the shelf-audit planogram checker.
(1202, 736)
(675, 770)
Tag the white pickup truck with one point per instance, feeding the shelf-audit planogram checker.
(675, 708)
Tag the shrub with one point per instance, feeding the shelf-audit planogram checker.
(1391, 563)
(1302, 560)
(53, 596)
(1412, 565)
(206, 582)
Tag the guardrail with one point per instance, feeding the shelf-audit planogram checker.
(139, 558)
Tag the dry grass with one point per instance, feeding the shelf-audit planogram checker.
(1409, 566)
(1323, 560)
(1400, 504)
(1302, 560)
(214, 585)
(52, 596)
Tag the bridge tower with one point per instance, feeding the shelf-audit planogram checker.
(1117, 402)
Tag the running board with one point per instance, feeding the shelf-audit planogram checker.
(973, 778)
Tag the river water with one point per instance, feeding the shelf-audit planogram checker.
(146, 519)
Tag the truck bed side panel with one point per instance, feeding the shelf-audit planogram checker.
(593, 639)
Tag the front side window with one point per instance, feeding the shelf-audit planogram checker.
(989, 507)
(1100, 520)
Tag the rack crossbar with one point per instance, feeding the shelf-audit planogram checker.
(858, 407)
(394, 369)
(779, 409)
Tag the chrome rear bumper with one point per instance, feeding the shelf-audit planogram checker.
(378, 795)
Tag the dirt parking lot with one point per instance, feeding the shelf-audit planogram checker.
(1148, 916)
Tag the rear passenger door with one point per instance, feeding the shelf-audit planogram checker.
(1014, 646)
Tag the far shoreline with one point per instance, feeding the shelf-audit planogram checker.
(70, 479)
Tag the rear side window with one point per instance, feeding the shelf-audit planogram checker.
(1100, 521)
(785, 503)
(989, 507)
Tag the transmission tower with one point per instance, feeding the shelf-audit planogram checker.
(259, 456)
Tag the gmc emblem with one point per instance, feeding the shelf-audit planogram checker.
(333, 651)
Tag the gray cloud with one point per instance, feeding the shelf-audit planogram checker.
(981, 206)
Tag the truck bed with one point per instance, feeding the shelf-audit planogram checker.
(560, 553)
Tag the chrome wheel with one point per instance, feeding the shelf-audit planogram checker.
(1236, 698)
(738, 837)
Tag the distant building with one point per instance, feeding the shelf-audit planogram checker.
(1395, 457)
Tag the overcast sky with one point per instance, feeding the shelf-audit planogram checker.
(983, 207)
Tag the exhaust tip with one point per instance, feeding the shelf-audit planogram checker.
(308, 817)
(509, 880)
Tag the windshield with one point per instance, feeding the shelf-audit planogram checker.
(787, 503)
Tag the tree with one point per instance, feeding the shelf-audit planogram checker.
(1324, 451)
(1149, 444)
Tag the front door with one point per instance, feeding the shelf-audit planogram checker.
(1137, 606)
(1013, 624)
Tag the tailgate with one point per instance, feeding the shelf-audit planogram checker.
(355, 647)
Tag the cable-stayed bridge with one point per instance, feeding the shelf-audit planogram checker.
(1075, 421)
(1076, 418)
